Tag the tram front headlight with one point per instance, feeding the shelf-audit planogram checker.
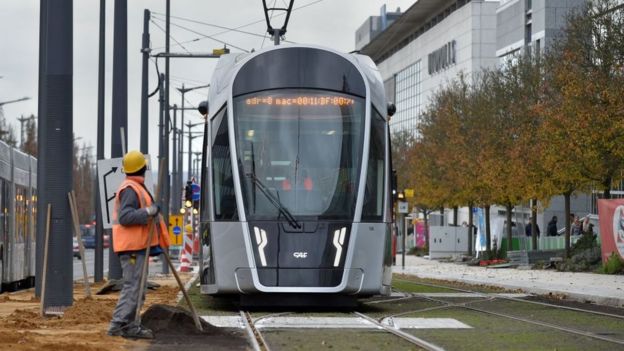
(261, 240)
(339, 237)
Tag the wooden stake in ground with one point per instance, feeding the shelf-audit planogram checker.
(45, 260)
(74, 212)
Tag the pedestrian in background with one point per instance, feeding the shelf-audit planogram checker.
(587, 227)
(575, 227)
(551, 230)
(528, 229)
(134, 215)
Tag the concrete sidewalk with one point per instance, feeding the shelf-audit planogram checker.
(601, 289)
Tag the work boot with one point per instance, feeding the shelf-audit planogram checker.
(116, 329)
(138, 332)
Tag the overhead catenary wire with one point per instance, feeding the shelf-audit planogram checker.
(186, 80)
(242, 26)
(215, 26)
(207, 36)
(170, 36)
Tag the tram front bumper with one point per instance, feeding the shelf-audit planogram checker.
(291, 280)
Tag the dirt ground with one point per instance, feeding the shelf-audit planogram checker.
(82, 327)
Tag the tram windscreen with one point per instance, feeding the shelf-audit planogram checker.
(302, 148)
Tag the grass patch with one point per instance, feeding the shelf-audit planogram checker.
(497, 333)
(613, 327)
(445, 285)
(339, 339)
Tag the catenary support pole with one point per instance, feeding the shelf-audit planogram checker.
(41, 156)
(175, 191)
(55, 148)
(162, 155)
(190, 150)
(120, 102)
(145, 50)
(98, 271)
(181, 180)
(166, 195)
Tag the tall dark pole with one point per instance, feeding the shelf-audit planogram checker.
(99, 230)
(57, 142)
(162, 154)
(190, 150)
(120, 102)
(181, 180)
(175, 193)
(42, 202)
(167, 190)
(144, 82)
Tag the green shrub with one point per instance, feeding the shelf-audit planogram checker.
(614, 265)
(587, 241)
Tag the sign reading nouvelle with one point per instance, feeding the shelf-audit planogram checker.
(442, 58)
(110, 177)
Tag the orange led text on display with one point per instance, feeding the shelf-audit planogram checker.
(300, 101)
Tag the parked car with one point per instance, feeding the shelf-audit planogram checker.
(87, 232)
(88, 235)
(76, 249)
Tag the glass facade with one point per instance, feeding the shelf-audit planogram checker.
(408, 99)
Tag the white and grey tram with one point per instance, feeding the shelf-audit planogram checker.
(18, 184)
(296, 196)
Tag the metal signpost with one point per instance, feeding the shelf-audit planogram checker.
(403, 209)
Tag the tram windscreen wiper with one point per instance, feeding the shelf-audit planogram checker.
(283, 210)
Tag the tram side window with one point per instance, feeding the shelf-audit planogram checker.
(224, 199)
(21, 214)
(374, 194)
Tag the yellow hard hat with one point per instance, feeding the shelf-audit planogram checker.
(188, 228)
(133, 162)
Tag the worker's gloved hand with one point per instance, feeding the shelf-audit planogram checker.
(153, 210)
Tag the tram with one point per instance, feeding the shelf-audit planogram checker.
(296, 185)
(18, 184)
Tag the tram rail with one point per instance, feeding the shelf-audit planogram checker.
(258, 343)
(466, 305)
(516, 299)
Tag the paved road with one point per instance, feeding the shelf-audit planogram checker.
(155, 267)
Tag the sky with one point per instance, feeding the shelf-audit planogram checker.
(330, 23)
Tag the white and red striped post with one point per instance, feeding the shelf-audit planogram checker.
(186, 257)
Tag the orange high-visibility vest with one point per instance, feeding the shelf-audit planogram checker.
(134, 237)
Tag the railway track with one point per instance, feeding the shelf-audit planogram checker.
(401, 334)
(501, 297)
(259, 342)
(467, 305)
(472, 300)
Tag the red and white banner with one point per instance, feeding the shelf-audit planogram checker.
(611, 214)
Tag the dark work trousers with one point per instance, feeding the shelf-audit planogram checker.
(131, 265)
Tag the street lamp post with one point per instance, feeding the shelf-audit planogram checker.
(183, 91)
(190, 145)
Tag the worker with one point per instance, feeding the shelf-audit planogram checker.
(134, 214)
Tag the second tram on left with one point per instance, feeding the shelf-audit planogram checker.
(18, 206)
